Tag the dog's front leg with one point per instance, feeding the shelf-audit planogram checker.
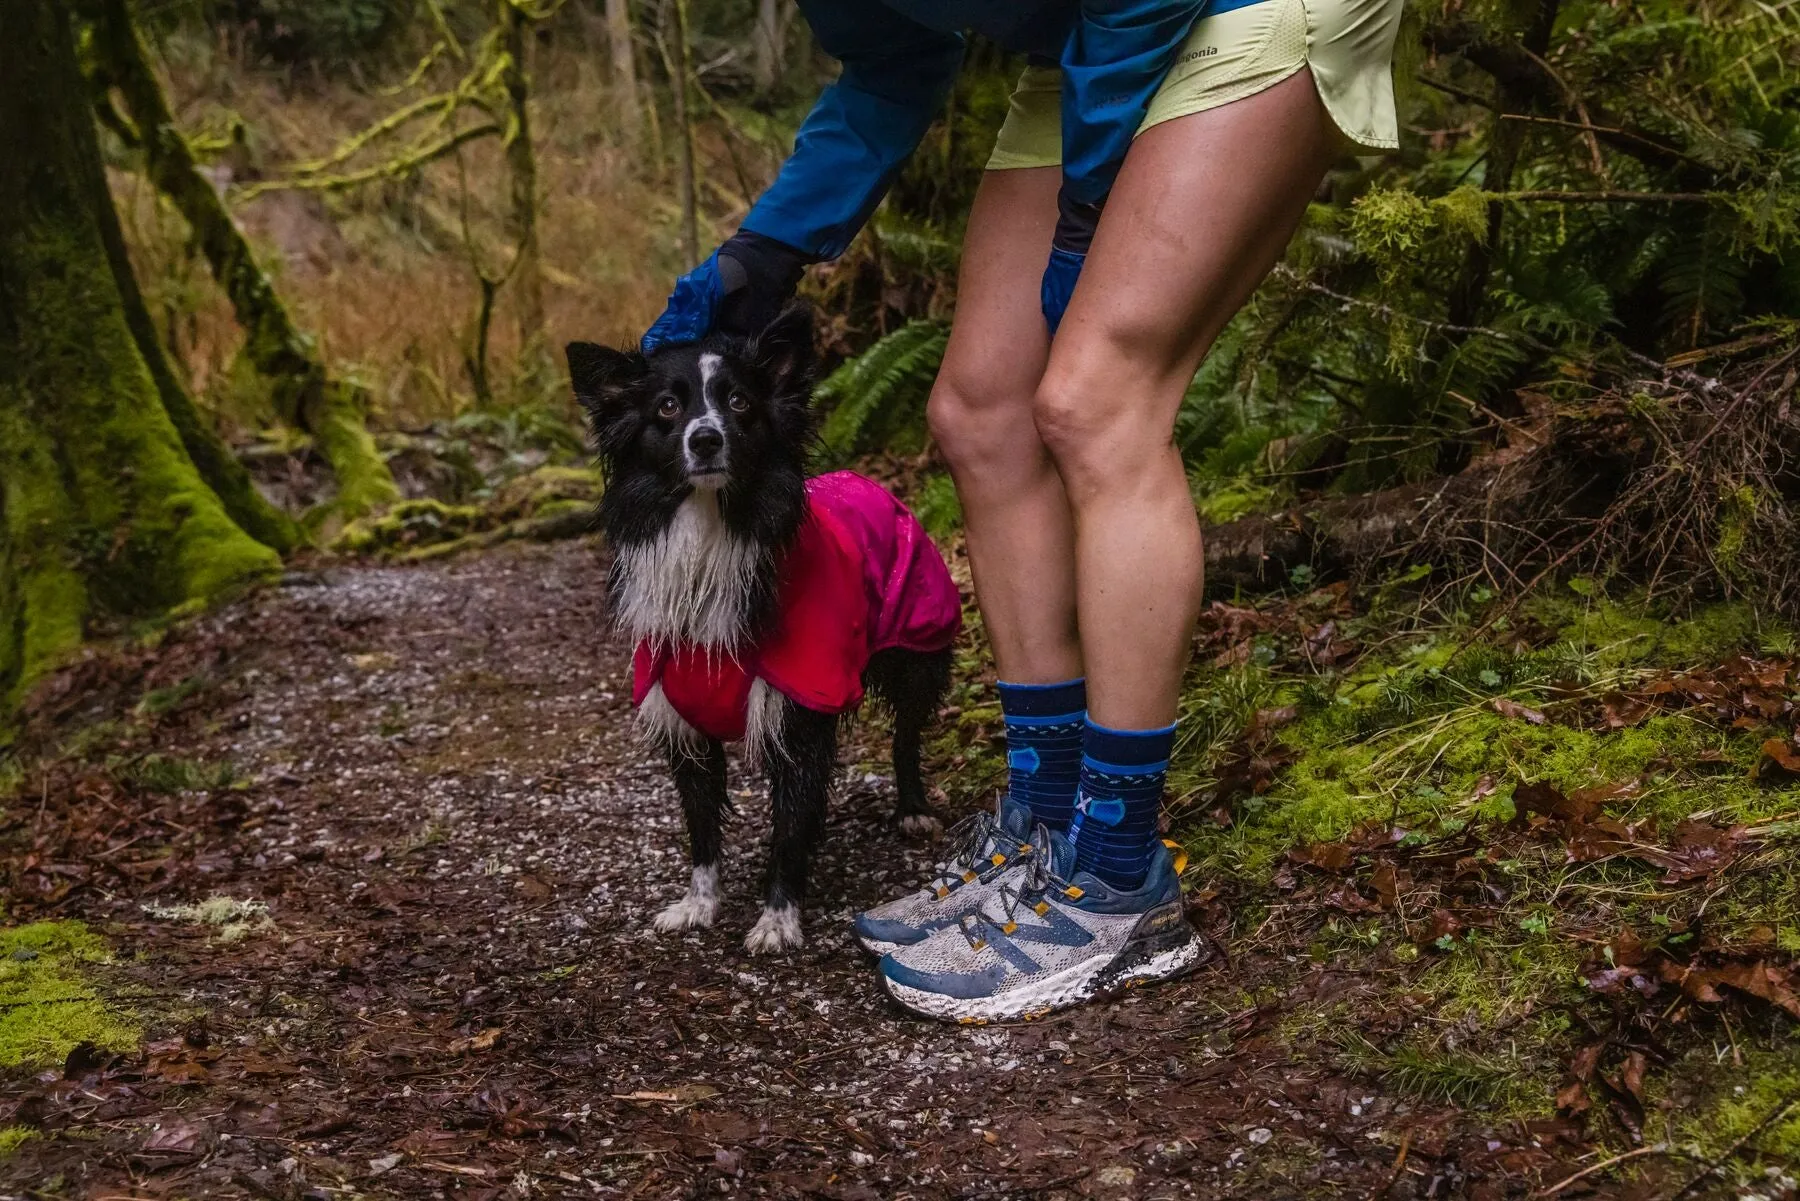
(698, 766)
(800, 772)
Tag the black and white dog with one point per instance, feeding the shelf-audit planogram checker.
(704, 448)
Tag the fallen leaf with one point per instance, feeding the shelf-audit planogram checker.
(483, 1040)
(1782, 753)
(1386, 882)
(681, 1094)
(1511, 708)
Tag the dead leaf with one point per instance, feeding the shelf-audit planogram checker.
(681, 1094)
(483, 1040)
(1511, 708)
(1386, 882)
(1782, 754)
(1326, 856)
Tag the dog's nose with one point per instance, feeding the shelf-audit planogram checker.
(705, 442)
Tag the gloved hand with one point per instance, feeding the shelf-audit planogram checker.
(1075, 226)
(737, 290)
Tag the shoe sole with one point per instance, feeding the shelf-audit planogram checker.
(1092, 980)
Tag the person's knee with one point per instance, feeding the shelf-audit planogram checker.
(977, 422)
(1103, 419)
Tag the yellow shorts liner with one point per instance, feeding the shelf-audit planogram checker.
(1349, 44)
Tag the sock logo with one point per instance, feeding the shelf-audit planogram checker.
(1024, 759)
(1108, 811)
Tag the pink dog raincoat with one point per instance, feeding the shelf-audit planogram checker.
(862, 576)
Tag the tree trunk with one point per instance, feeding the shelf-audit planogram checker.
(521, 167)
(627, 101)
(1505, 140)
(766, 44)
(333, 411)
(681, 72)
(102, 509)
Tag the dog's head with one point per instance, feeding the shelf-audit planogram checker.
(717, 414)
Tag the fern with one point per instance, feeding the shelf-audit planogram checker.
(881, 391)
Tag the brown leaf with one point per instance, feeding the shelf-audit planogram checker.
(1267, 720)
(1782, 754)
(1386, 882)
(1762, 980)
(1511, 708)
(1326, 856)
(681, 1094)
(1631, 1076)
(483, 1040)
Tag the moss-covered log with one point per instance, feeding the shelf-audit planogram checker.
(102, 509)
(333, 410)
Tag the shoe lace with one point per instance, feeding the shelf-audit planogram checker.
(968, 840)
(1001, 911)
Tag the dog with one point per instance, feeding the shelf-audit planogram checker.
(763, 603)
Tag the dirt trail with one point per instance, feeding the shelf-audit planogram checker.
(460, 845)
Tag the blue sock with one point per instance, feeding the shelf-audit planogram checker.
(1115, 826)
(1043, 746)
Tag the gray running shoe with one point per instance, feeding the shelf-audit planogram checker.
(984, 847)
(1044, 942)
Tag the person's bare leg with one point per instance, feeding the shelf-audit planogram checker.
(1021, 536)
(1202, 208)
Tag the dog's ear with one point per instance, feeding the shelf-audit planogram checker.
(785, 347)
(601, 375)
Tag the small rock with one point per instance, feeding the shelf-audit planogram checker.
(384, 1163)
(1261, 1135)
(24, 954)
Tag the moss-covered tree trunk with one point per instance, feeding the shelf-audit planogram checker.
(102, 509)
(334, 411)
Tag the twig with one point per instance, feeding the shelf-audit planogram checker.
(1399, 1166)
(1591, 1169)
(1773, 1116)
(1607, 197)
(403, 165)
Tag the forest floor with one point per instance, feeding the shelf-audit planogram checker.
(420, 786)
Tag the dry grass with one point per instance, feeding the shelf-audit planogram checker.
(381, 276)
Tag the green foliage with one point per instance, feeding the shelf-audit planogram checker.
(876, 401)
(48, 1002)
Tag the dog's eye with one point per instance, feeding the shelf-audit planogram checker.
(739, 402)
(668, 408)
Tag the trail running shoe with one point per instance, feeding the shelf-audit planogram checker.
(1044, 942)
(984, 847)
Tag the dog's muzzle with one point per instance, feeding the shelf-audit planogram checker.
(704, 449)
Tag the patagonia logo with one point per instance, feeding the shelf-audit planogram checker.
(1198, 53)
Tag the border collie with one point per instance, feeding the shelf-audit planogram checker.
(762, 603)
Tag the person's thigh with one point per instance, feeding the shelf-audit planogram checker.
(998, 342)
(1202, 209)
(1021, 535)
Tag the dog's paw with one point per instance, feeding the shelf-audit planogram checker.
(921, 825)
(775, 931)
(689, 913)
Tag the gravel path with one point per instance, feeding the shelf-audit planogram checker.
(460, 845)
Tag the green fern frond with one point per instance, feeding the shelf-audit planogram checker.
(882, 389)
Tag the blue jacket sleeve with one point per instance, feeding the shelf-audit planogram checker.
(896, 74)
(1114, 61)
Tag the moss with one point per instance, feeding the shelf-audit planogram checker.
(103, 507)
(48, 1002)
(1742, 1099)
(549, 502)
(12, 1136)
(339, 426)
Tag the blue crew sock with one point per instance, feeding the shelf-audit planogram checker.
(1043, 746)
(1115, 825)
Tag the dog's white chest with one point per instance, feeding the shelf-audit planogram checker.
(691, 585)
